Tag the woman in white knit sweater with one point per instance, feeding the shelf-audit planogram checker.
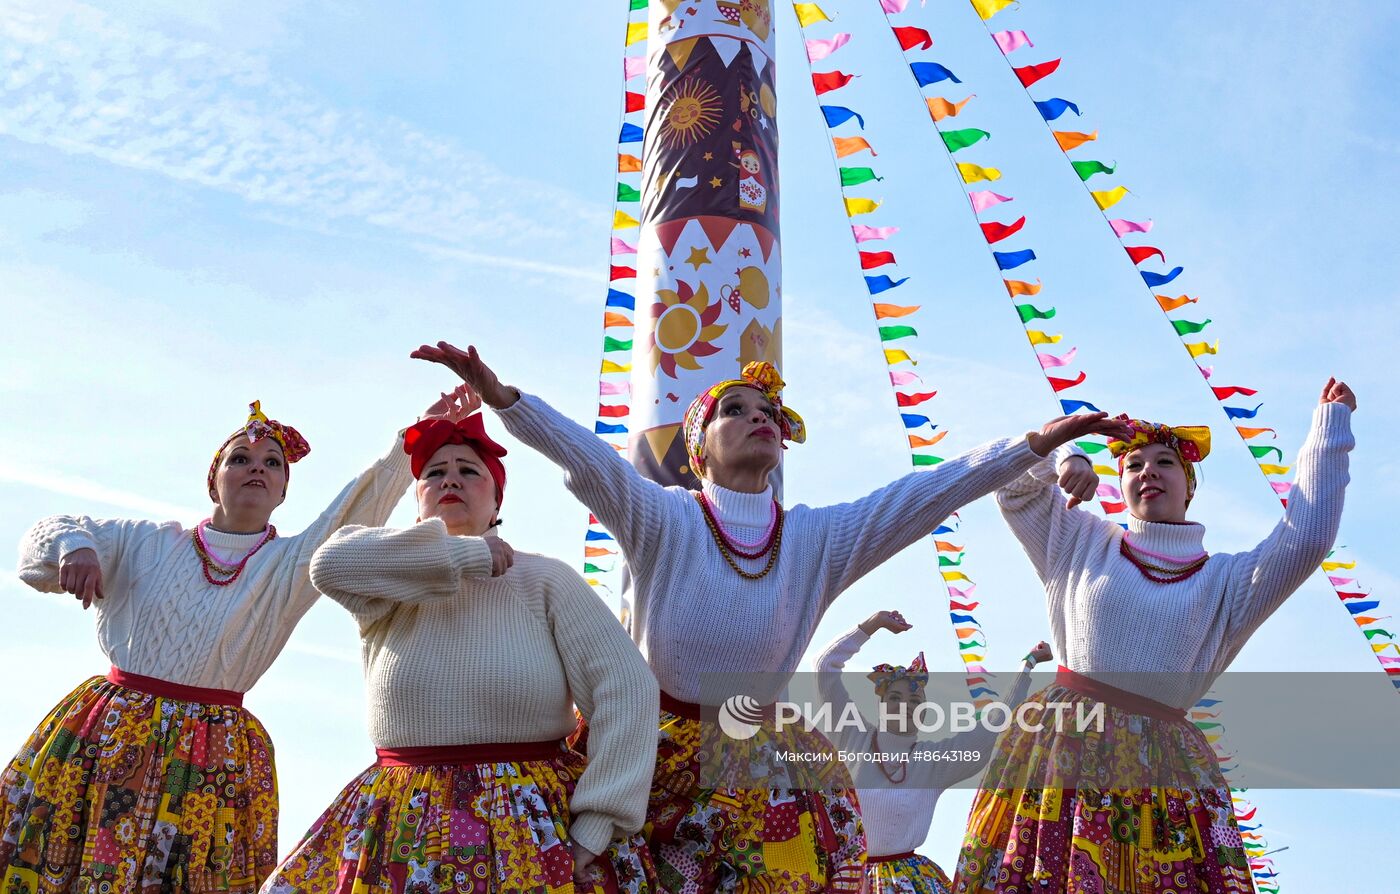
(726, 580)
(474, 656)
(1144, 620)
(898, 796)
(154, 778)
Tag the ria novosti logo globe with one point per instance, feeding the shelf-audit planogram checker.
(740, 716)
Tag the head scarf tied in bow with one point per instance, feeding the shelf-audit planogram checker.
(759, 375)
(423, 439)
(1191, 443)
(886, 675)
(258, 426)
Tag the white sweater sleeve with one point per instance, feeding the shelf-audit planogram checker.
(618, 696)
(370, 570)
(863, 534)
(1034, 509)
(627, 503)
(1267, 575)
(830, 665)
(114, 540)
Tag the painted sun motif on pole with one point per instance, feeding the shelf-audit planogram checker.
(708, 259)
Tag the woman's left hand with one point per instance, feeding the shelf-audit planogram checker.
(1078, 480)
(1041, 653)
(454, 406)
(1335, 392)
(583, 859)
(1066, 428)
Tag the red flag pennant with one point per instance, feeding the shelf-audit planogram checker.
(870, 259)
(1063, 384)
(636, 101)
(1228, 391)
(825, 82)
(913, 400)
(613, 411)
(1029, 74)
(622, 273)
(1140, 253)
(1112, 508)
(913, 37)
(995, 232)
(964, 606)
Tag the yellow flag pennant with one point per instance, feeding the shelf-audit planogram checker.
(1200, 347)
(808, 13)
(988, 8)
(611, 367)
(622, 221)
(1106, 470)
(1270, 469)
(1107, 198)
(860, 206)
(955, 575)
(636, 32)
(894, 355)
(972, 173)
(1040, 338)
(1337, 566)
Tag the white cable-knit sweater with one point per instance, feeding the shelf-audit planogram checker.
(161, 618)
(1106, 617)
(897, 815)
(453, 656)
(691, 613)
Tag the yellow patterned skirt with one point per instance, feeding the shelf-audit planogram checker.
(120, 791)
(467, 827)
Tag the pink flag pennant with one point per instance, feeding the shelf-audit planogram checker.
(1108, 490)
(1048, 361)
(904, 378)
(614, 387)
(633, 66)
(622, 248)
(1010, 41)
(1283, 487)
(864, 233)
(817, 50)
(1207, 371)
(1341, 581)
(1123, 227)
(982, 199)
(893, 6)
(962, 594)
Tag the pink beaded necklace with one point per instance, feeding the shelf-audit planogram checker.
(209, 564)
(736, 546)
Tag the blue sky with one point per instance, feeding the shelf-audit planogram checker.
(203, 204)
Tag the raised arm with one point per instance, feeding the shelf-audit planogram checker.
(1041, 507)
(370, 570)
(628, 504)
(618, 696)
(870, 530)
(1268, 574)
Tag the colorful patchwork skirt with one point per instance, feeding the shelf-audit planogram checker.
(905, 874)
(491, 818)
(747, 839)
(138, 786)
(1054, 814)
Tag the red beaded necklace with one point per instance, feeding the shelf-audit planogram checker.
(209, 565)
(1151, 571)
(880, 760)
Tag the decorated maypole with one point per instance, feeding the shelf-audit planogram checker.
(709, 297)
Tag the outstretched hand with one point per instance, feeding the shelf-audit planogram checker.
(1335, 392)
(469, 366)
(1067, 428)
(887, 620)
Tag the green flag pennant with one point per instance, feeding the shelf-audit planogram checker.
(1186, 327)
(857, 176)
(890, 333)
(974, 644)
(612, 344)
(1091, 446)
(925, 459)
(590, 568)
(1030, 312)
(1087, 169)
(961, 139)
(627, 193)
(638, 4)
(1378, 632)
(1261, 451)
(945, 562)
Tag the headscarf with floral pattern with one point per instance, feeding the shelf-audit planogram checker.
(759, 375)
(258, 426)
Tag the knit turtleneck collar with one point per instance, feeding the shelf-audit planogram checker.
(1184, 540)
(740, 510)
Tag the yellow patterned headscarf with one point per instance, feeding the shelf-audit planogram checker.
(258, 426)
(760, 375)
(1191, 443)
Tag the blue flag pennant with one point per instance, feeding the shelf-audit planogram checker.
(631, 133)
(1154, 280)
(882, 283)
(1010, 260)
(931, 73)
(838, 115)
(621, 299)
(1050, 109)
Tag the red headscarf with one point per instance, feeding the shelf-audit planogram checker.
(423, 439)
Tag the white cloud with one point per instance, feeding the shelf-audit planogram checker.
(16, 471)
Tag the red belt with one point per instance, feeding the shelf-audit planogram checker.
(692, 711)
(166, 689)
(889, 858)
(486, 753)
(1118, 698)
